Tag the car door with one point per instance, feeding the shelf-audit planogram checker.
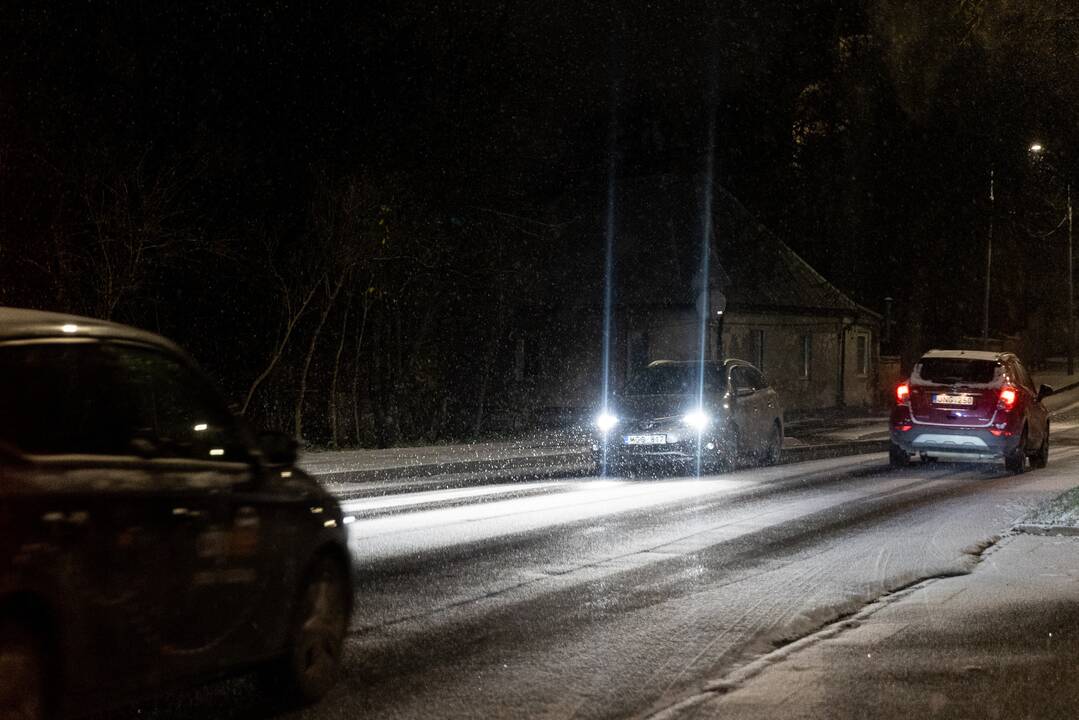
(741, 410)
(1037, 416)
(200, 455)
(92, 516)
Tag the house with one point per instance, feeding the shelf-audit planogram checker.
(760, 301)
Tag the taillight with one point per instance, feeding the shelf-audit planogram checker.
(902, 393)
(1008, 396)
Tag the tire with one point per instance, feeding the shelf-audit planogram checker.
(1016, 462)
(898, 457)
(312, 659)
(1040, 459)
(774, 448)
(22, 674)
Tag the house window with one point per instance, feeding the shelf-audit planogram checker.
(807, 354)
(862, 346)
(758, 349)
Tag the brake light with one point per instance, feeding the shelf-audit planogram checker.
(902, 393)
(1008, 396)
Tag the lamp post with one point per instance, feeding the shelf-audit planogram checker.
(988, 268)
(1036, 149)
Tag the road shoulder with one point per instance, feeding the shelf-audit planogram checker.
(998, 642)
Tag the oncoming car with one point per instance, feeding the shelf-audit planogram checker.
(147, 539)
(970, 405)
(674, 412)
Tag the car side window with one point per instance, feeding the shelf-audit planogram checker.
(755, 379)
(63, 398)
(740, 380)
(1023, 376)
(186, 417)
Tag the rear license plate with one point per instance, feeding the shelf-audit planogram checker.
(646, 439)
(946, 399)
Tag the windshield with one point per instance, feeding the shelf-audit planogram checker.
(676, 380)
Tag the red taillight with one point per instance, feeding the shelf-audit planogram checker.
(1008, 396)
(902, 393)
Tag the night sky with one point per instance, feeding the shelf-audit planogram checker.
(422, 151)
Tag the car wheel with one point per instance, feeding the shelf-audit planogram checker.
(774, 448)
(22, 674)
(1016, 462)
(312, 659)
(1041, 458)
(897, 456)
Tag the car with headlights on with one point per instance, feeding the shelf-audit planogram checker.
(148, 540)
(970, 405)
(681, 413)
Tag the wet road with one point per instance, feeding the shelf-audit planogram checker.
(615, 598)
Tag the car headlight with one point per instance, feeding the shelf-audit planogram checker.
(697, 419)
(605, 421)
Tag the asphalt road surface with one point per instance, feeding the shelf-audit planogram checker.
(611, 598)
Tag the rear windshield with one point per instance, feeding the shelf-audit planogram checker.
(676, 380)
(951, 371)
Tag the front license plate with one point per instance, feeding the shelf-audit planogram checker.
(646, 439)
(945, 399)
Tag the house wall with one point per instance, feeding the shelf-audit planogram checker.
(572, 377)
(861, 382)
(801, 385)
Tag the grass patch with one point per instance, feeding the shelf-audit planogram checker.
(1060, 512)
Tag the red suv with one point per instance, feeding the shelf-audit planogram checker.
(970, 405)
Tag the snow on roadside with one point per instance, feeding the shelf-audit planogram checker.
(1059, 515)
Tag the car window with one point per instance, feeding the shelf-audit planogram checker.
(675, 380)
(1022, 376)
(741, 379)
(187, 418)
(755, 379)
(950, 371)
(66, 398)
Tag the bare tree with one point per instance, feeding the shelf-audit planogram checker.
(294, 303)
(334, 435)
(332, 291)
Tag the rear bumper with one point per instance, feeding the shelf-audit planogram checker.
(955, 442)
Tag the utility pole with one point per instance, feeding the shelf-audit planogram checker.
(1071, 290)
(989, 268)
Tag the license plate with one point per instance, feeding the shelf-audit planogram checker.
(945, 399)
(646, 439)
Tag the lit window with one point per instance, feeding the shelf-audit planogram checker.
(807, 354)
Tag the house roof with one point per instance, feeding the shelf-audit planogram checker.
(659, 233)
(765, 273)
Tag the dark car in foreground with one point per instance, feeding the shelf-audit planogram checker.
(147, 539)
(970, 405)
(678, 413)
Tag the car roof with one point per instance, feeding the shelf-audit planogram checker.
(690, 363)
(20, 323)
(967, 355)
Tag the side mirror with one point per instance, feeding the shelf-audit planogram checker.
(1045, 391)
(278, 448)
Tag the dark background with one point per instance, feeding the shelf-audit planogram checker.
(350, 213)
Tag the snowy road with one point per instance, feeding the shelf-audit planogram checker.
(613, 598)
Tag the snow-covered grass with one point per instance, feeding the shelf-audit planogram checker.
(1062, 512)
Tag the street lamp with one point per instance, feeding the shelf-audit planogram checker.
(1036, 149)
